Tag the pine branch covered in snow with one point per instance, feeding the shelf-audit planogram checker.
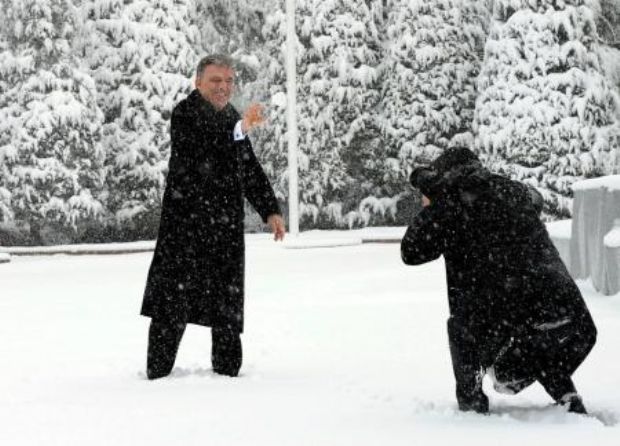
(234, 27)
(434, 56)
(142, 55)
(610, 64)
(608, 25)
(608, 21)
(50, 150)
(338, 59)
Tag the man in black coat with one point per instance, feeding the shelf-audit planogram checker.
(515, 313)
(197, 272)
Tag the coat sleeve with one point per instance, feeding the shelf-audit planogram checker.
(424, 240)
(181, 178)
(257, 189)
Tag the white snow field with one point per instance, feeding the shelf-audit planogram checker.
(343, 346)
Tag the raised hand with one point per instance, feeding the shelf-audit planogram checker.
(252, 117)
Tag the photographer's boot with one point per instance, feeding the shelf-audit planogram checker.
(469, 392)
(562, 389)
(574, 403)
(468, 372)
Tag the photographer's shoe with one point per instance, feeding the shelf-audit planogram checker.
(573, 403)
(478, 403)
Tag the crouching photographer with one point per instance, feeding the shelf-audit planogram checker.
(515, 312)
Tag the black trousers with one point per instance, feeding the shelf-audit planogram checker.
(165, 338)
(549, 356)
(467, 368)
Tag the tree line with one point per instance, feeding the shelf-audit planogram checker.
(87, 87)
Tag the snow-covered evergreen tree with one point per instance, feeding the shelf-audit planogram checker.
(234, 27)
(608, 22)
(228, 26)
(434, 57)
(610, 64)
(50, 152)
(338, 61)
(5, 196)
(545, 113)
(142, 55)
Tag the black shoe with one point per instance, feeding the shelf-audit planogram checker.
(156, 374)
(573, 403)
(480, 407)
(477, 402)
(226, 372)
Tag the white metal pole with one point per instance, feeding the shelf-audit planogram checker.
(291, 119)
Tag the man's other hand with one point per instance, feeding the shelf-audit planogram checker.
(425, 201)
(276, 223)
(252, 117)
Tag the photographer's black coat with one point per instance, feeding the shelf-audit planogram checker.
(505, 277)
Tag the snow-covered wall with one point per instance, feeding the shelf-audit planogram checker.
(596, 208)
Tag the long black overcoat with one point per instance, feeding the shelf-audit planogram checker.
(197, 272)
(505, 277)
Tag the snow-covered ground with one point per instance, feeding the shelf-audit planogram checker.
(343, 346)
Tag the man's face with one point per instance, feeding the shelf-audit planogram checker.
(216, 85)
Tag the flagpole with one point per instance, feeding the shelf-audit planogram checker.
(291, 119)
